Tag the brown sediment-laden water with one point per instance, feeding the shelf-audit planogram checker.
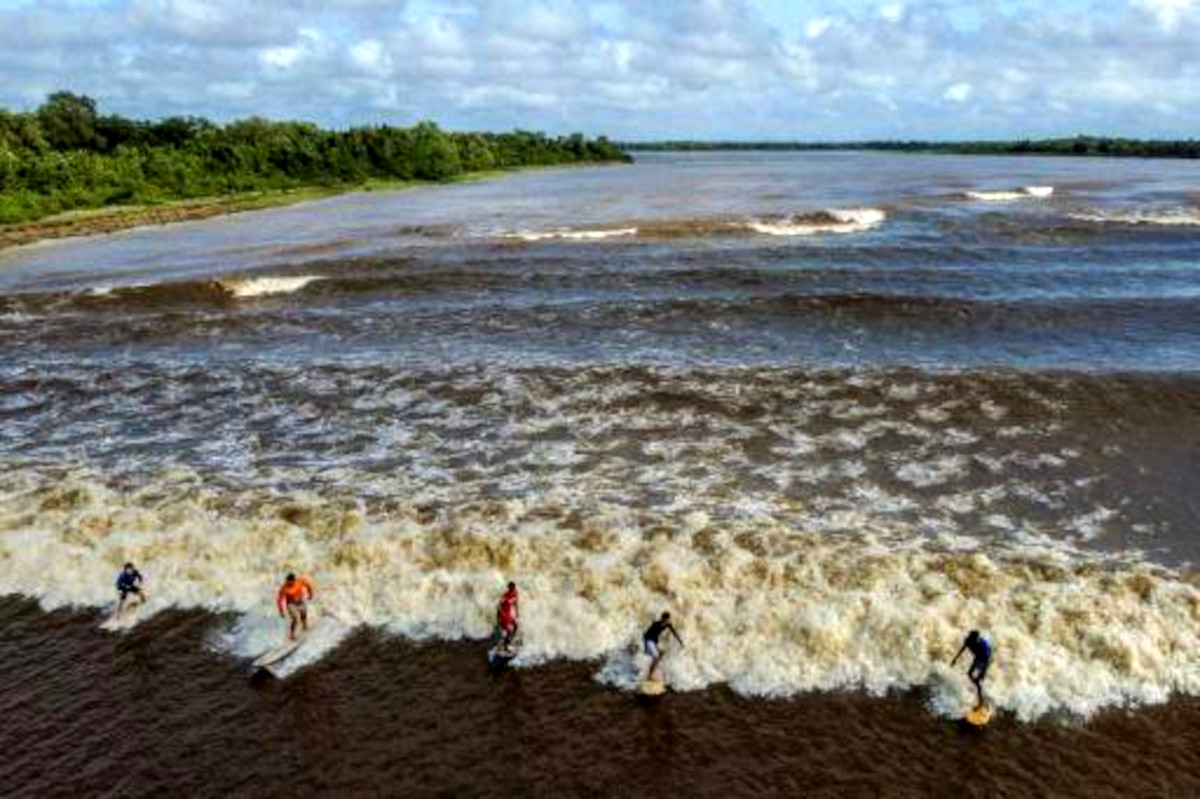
(156, 712)
(831, 410)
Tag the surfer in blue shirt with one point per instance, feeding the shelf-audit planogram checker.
(129, 581)
(981, 652)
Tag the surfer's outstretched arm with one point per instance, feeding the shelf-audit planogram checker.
(961, 649)
(676, 634)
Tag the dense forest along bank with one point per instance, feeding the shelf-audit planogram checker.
(66, 156)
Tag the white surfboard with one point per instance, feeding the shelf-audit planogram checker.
(125, 619)
(278, 654)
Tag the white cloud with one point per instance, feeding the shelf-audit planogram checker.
(280, 57)
(369, 56)
(702, 68)
(815, 28)
(1169, 13)
(958, 93)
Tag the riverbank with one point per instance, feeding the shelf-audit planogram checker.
(157, 710)
(113, 219)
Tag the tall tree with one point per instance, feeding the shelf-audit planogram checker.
(69, 122)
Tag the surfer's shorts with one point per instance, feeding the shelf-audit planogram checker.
(125, 592)
(980, 667)
(651, 648)
(297, 605)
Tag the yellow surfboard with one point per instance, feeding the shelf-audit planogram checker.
(979, 717)
(652, 687)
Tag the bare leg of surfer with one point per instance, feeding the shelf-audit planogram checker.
(509, 635)
(654, 675)
(138, 597)
(975, 678)
(292, 619)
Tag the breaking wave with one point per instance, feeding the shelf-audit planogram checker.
(809, 532)
(766, 608)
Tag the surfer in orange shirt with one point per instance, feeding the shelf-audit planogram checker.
(293, 596)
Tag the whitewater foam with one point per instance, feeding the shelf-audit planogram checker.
(245, 288)
(767, 608)
(810, 531)
(1011, 195)
(847, 220)
(568, 234)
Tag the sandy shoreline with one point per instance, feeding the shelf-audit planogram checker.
(113, 219)
(157, 710)
(117, 218)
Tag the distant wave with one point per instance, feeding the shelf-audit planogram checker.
(835, 220)
(1167, 217)
(155, 296)
(1011, 195)
(850, 220)
(567, 234)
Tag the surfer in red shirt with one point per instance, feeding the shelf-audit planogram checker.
(506, 615)
(293, 597)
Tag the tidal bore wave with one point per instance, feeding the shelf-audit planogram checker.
(809, 530)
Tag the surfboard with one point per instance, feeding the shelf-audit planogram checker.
(279, 653)
(652, 688)
(498, 657)
(124, 620)
(979, 717)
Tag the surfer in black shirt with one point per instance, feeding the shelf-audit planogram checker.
(129, 581)
(650, 641)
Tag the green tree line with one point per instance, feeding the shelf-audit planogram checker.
(66, 155)
(1077, 145)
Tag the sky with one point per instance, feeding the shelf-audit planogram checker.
(631, 69)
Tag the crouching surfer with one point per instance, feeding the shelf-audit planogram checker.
(292, 600)
(981, 653)
(650, 643)
(129, 582)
